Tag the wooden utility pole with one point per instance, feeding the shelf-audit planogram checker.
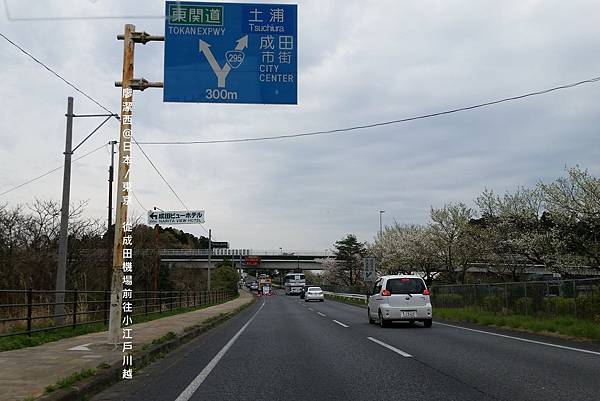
(121, 223)
(123, 244)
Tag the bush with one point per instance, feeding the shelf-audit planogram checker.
(558, 306)
(493, 303)
(523, 306)
(448, 300)
(588, 307)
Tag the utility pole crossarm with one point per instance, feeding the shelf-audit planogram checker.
(143, 37)
(140, 84)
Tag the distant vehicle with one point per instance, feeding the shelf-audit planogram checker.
(400, 297)
(314, 294)
(293, 283)
(303, 291)
(264, 281)
(254, 286)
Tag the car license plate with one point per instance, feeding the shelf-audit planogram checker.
(408, 314)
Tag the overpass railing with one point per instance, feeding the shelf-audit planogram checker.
(244, 252)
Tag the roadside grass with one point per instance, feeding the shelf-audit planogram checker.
(70, 380)
(167, 337)
(567, 327)
(575, 328)
(24, 341)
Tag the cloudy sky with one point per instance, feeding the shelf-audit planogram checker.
(360, 62)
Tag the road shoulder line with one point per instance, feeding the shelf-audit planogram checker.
(520, 339)
(193, 386)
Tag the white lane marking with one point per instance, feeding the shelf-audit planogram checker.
(311, 309)
(396, 350)
(322, 314)
(520, 339)
(340, 323)
(83, 347)
(193, 386)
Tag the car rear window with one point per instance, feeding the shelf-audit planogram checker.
(314, 289)
(405, 286)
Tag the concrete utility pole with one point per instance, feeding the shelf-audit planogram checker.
(114, 321)
(209, 256)
(61, 271)
(380, 225)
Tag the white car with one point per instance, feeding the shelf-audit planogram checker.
(400, 297)
(314, 294)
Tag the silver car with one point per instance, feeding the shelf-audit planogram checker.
(314, 294)
(400, 297)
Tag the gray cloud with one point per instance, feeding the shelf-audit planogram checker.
(360, 62)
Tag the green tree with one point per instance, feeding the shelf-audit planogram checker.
(349, 253)
(224, 278)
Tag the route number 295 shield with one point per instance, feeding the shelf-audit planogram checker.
(234, 58)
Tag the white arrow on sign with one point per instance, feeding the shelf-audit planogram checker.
(221, 73)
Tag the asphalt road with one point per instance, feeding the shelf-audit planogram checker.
(290, 350)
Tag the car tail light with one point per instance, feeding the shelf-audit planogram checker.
(386, 293)
(426, 292)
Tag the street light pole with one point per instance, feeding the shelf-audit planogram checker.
(380, 225)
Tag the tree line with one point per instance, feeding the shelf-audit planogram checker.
(552, 225)
(29, 237)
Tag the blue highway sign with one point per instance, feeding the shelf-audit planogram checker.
(231, 53)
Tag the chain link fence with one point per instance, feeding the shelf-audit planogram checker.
(557, 298)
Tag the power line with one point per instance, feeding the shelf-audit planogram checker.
(137, 200)
(164, 180)
(50, 172)
(101, 106)
(377, 124)
(55, 73)
(160, 174)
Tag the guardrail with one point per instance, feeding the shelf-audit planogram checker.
(339, 294)
(23, 312)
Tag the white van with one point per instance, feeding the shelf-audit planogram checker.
(400, 297)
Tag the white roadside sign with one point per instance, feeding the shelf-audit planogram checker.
(175, 217)
(369, 268)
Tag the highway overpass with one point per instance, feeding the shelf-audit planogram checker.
(246, 258)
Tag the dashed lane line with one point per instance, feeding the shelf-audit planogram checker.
(394, 349)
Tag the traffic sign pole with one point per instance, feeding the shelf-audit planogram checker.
(209, 256)
(114, 321)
